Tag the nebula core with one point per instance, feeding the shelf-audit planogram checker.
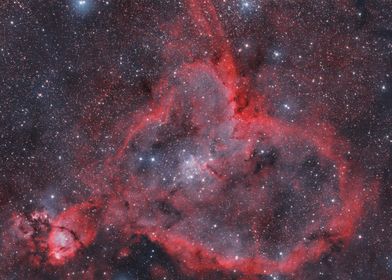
(196, 140)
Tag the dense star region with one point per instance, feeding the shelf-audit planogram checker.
(196, 139)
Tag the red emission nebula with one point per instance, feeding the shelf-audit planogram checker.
(206, 173)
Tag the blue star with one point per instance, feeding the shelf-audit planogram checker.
(82, 6)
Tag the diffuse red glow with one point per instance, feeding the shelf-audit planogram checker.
(228, 117)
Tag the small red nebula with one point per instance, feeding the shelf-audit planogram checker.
(72, 230)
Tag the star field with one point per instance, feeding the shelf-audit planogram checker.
(195, 139)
